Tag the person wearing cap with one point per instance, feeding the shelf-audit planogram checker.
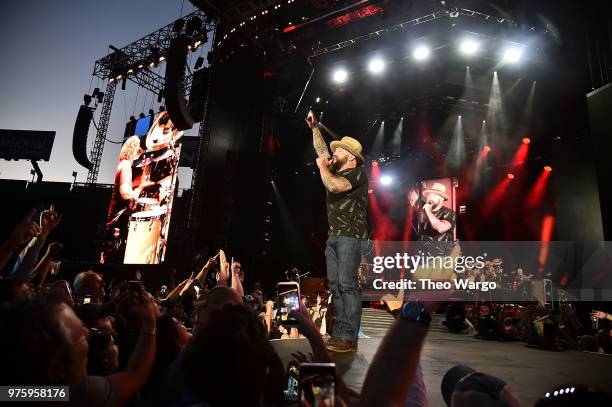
(346, 187)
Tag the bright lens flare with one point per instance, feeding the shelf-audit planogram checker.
(512, 55)
(340, 75)
(421, 53)
(376, 65)
(386, 180)
(469, 47)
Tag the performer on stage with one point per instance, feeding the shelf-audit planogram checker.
(124, 192)
(346, 183)
(124, 196)
(435, 221)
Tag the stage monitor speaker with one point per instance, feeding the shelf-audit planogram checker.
(79, 136)
(599, 102)
(197, 94)
(174, 92)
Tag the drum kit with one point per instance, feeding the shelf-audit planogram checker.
(149, 221)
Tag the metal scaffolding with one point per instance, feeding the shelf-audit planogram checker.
(98, 147)
(134, 61)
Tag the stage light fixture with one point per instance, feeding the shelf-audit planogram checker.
(421, 53)
(526, 140)
(376, 65)
(512, 55)
(510, 175)
(469, 47)
(340, 75)
(386, 180)
(548, 168)
(318, 99)
(487, 148)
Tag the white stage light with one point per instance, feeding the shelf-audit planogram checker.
(386, 180)
(421, 53)
(376, 65)
(340, 75)
(469, 47)
(512, 55)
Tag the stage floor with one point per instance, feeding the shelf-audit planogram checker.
(529, 371)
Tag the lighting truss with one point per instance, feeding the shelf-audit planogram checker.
(411, 23)
(145, 50)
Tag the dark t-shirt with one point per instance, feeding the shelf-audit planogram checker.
(441, 243)
(347, 211)
(429, 234)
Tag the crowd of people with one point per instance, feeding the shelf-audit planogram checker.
(201, 342)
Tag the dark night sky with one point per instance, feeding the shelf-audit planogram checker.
(49, 49)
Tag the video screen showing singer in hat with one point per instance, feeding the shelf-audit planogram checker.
(138, 219)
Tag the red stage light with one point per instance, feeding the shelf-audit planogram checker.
(526, 140)
(374, 163)
(510, 175)
(486, 149)
(370, 191)
(548, 168)
(289, 28)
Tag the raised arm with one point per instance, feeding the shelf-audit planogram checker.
(394, 365)
(201, 277)
(128, 383)
(318, 141)
(26, 263)
(24, 231)
(42, 268)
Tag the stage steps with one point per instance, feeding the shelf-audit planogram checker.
(376, 322)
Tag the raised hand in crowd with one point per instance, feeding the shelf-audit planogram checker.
(395, 366)
(24, 267)
(320, 354)
(24, 231)
(201, 277)
(49, 220)
(224, 271)
(601, 315)
(43, 266)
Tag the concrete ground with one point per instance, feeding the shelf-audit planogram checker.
(531, 372)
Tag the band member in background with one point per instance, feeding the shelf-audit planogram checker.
(124, 195)
(436, 222)
(346, 183)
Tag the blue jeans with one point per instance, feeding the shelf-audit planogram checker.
(343, 255)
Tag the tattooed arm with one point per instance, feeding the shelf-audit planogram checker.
(318, 141)
(333, 183)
